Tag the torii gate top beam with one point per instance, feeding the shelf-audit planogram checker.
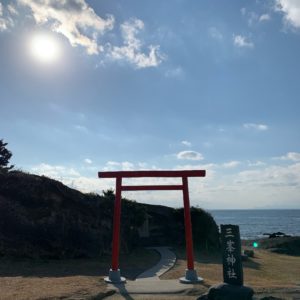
(155, 173)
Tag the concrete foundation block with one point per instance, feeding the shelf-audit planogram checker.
(114, 277)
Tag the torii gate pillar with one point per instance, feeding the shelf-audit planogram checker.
(114, 273)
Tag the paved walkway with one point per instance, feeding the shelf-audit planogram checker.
(149, 283)
(167, 261)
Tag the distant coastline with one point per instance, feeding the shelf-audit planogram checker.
(255, 222)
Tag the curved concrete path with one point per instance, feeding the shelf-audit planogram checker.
(167, 261)
(149, 283)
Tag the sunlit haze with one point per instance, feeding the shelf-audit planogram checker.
(44, 48)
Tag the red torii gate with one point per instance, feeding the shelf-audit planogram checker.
(114, 272)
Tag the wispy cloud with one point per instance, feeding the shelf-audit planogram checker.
(242, 42)
(243, 11)
(253, 18)
(190, 155)
(231, 164)
(6, 20)
(175, 73)
(132, 48)
(77, 21)
(186, 143)
(256, 186)
(55, 172)
(88, 161)
(293, 156)
(290, 10)
(81, 128)
(256, 164)
(259, 127)
(264, 18)
(12, 9)
(74, 19)
(123, 166)
(215, 33)
(271, 176)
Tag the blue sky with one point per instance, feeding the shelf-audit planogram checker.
(130, 85)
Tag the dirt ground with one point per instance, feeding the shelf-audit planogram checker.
(268, 273)
(66, 279)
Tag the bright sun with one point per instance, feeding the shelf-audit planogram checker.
(44, 48)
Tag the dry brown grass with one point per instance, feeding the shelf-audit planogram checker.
(67, 279)
(267, 272)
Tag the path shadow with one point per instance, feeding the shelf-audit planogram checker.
(123, 291)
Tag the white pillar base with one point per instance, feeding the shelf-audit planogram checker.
(114, 277)
(190, 277)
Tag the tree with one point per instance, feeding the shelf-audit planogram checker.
(5, 156)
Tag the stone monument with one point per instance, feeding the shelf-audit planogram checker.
(232, 287)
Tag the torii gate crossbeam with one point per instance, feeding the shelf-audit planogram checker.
(114, 273)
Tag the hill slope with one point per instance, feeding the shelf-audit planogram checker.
(41, 217)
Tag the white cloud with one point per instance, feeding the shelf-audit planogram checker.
(190, 155)
(74, 19)
(253, 18)
(197, 167)
(231, 164)
(186, 143)
(132, 48)
(55, 172)
(142, 165)
(242, 42)
(5, 19)
(77, 21)
(256, 164)
(72, 178)
(272, 185)
(271, 176)
(260, 127)
(3, 25)
(2, 20)
(215, 33)
(291, 11)
(119, 166)
(88, 161)
(293, 156)
(264, 18)
(12, 10)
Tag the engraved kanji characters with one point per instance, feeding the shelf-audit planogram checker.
(231, 274)
(229, 246)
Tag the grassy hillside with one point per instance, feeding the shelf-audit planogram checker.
(41, 217)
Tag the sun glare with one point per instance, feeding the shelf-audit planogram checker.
(44, 48)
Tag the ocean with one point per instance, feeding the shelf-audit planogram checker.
(254, 223)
